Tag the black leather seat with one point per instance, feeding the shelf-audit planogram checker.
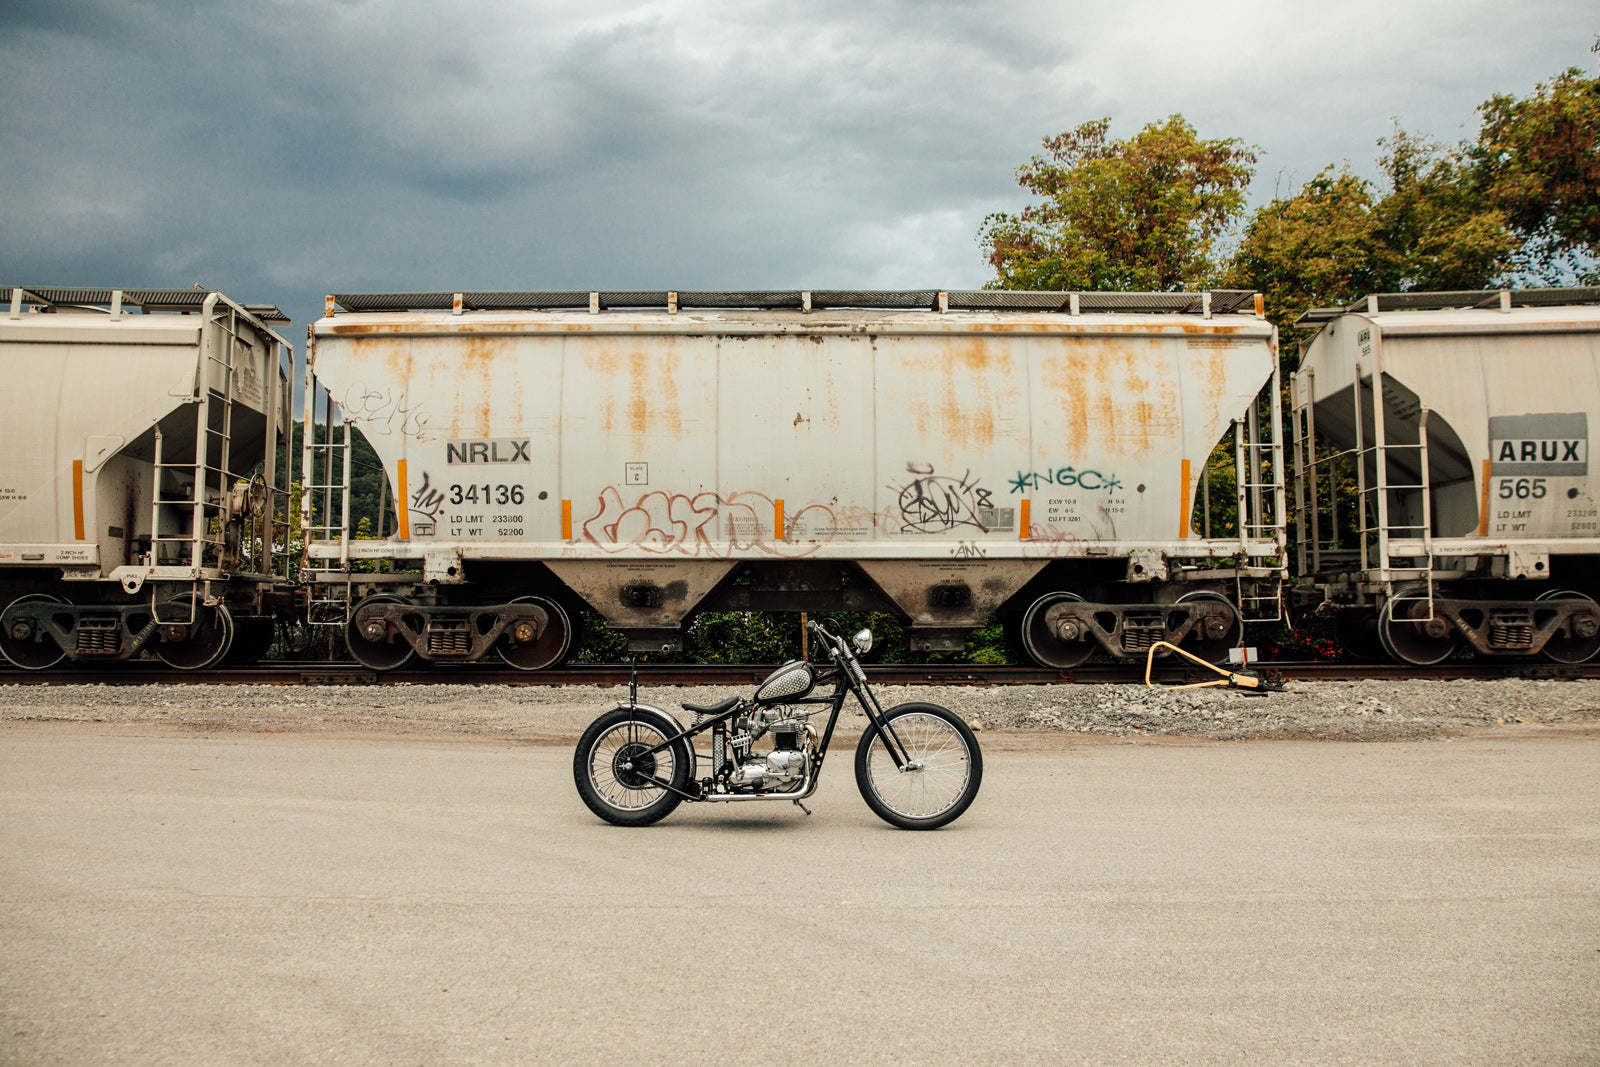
(712, 709)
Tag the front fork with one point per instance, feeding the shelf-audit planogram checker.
(869, 704)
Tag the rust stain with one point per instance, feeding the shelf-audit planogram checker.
(972, 384)
(474, 372)
(639, 390)
(1114, 396)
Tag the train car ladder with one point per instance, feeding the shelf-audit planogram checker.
(1375, 530)
(1262, 503)
(203, 511)
(325, 500)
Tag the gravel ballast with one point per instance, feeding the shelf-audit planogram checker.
(1360, 710)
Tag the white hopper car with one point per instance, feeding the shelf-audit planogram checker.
(937, 455)
(1460, 509)
(139, 503)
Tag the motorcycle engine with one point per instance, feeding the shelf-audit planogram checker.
(783, 768)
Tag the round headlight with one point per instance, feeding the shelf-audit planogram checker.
(863, 641)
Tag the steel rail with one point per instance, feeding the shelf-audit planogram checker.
(289, 673)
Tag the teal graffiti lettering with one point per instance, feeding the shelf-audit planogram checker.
(1066, 477)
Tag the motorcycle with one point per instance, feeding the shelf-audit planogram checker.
(918, 765)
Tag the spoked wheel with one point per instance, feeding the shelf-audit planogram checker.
(945, 772)
(617, 775)
(23, 641)
(519, 646)
(1356, 630)
(1215, 637)
(1409, 634)
(252, 639)
(193, 636)
(1058, 643)
(370, 642)
(1571, 646)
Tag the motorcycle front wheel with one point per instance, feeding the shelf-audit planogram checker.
(942, 779)
(617, 775)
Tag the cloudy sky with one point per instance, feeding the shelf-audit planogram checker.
(280, 150)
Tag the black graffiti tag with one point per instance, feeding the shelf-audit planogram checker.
(934, 503)
(426, 499)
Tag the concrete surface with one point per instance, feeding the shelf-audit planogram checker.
(288, 899)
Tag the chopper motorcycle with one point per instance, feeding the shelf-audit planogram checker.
(918, 765)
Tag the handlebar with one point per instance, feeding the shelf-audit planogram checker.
(835, 644)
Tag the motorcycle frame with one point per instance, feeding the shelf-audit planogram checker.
(847, 678)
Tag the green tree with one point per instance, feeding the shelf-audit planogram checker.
(1537, 160)
(1141, 214)
(1340, 237)
(1317, 247)
(1437, 231)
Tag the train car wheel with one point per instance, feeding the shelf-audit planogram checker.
(193, 636)
(1409, 636)
(1571, 647)
(1049, 646)
(24, 643)
(382, 652)
(1209, 646)
(547, 649)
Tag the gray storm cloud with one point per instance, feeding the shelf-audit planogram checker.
(280, 150)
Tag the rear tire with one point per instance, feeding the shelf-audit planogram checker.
(940, 788)
(613, 776)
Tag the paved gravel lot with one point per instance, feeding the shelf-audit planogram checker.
(1364, 711)
(271, 899)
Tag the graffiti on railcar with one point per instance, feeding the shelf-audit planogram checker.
(426, 504)
(1066, 477)
(384, 412)
(930, 502)
(686, 524)
(1062, 535)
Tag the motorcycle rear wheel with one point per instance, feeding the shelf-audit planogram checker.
(614, 775)
(948, 768)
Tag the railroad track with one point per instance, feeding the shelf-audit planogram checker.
(286, 673)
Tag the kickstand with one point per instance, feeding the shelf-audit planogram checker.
(802, 807)
(1254, 684)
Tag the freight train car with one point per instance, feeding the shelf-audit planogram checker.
(939, 455)
(1444, 493)
(140, 504)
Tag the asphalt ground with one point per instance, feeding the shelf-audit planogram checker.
(272, 899)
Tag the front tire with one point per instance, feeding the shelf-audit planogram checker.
(614, 776)
(947, 768)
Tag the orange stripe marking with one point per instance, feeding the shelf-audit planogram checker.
(77, 499)
(566, 520)
(402, 510)
(777, 520)
(1183, 515)
(1025, 527)
(1483, 505)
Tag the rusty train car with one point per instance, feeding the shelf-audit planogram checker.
(140, 503)
(942, 456)
(938, 455)
(1444, 498)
